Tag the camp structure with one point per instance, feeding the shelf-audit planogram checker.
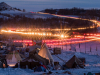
(33, 61)
(74, 62)
(3, 63)
(28, 63)
(34, 55)
(45, 53)
(12, 58)
(41, 59)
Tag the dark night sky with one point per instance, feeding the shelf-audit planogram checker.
(37, 5)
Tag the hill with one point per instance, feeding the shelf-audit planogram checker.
(4, 6)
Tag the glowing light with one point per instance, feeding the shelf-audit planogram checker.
(12, 65)
(44, 34)
(62, 36)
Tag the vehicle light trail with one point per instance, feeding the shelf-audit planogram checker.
(77, 39)
(27, 42)
(94, 21)
(89, 37)
(71, 41)
(33, 33)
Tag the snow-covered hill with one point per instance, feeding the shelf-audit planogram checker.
(4, 6)
(7, 9)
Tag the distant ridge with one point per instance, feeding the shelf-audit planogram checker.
(4, 6)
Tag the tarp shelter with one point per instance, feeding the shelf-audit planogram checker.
(74, 62)
(12, 58)
(41, 59)
(33, 61)
(30, 63)
(45, 53)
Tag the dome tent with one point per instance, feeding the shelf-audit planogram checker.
(45, 53)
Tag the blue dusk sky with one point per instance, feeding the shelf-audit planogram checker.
(38, 5)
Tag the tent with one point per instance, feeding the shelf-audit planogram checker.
(45, 53)
(34, 56)
(74, 62)
(12, 58)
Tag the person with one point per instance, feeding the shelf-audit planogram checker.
(41, 64)
(40, 68)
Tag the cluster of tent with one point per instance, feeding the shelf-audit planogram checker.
(39, 58)
(43, 56)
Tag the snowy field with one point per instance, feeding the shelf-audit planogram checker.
(91, 48)
(92, 57)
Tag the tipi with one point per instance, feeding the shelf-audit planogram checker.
(13, 58)
(74, 62)
(45, 53)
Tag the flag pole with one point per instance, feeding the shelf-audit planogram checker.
(85, 43)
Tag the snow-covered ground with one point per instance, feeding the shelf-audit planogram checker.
(15, 71)
(92, 62)
(92, 58)
(91, 48)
